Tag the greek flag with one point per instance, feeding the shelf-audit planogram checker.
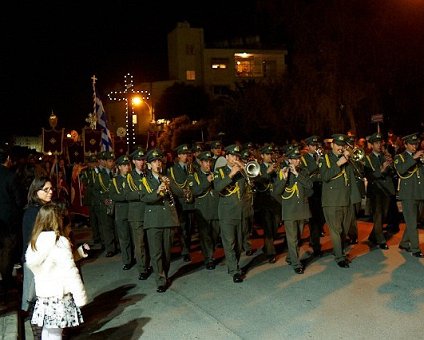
(101, 121)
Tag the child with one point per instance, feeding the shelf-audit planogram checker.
(58, 285)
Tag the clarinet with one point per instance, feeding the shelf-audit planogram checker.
(168, 192)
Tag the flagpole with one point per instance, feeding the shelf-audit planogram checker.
(93, 78)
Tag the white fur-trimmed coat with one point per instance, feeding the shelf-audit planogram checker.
(54, 268)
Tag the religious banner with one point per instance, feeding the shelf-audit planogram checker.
(53, 141)
(120, 146)
(75, 153)
(91, 140)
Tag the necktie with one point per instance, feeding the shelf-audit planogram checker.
(185, 168)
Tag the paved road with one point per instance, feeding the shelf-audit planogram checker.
(380, 296)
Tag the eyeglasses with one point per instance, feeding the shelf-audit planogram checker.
(47, 190)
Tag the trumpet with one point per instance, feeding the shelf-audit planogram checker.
(355, 154)
(168, 192)
(319, 151)
(249, 170)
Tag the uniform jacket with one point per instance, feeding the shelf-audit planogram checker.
(294, 193)
(179, 181)
(339, 188)
(118, 192)
(102, 184)
(264, 185)
(311, 165)
(54, 268)
(88, 178)
(159, 212)
(206, 199)
(379, 183)
(231, 193)
(136, 207)
(410, 174)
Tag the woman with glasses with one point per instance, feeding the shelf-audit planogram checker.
(40, 193)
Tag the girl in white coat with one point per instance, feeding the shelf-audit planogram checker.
(58, 285)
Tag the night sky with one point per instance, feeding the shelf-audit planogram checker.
(51, 51)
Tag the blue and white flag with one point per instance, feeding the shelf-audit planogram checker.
(102, 122)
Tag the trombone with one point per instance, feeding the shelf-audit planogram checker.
(355, 155)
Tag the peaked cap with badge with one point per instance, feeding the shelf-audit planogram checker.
(123, 160)
(153, 155)
(294, 153)
(216, 145)
(182, 149)
(138, 154)
(340, 138)
(312, 140)
(205, 156)
(233, 149)
(375, 137)
(267, 149)
(411, 139)
(108, 155)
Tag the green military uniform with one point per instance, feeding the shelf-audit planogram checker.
(118, 193)
(309, 161)
(160, 218)
(206, 210)
(88, 178)
(267, 207)
(103, 181)
(380, 189)
(136, 209)
(178, 173)
(411, 194)
(339, 193)
(294, 191)
(230, 210)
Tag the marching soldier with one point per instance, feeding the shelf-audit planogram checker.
(310, 161)
(104, 208)
(178, 173)
(118, 193)
(294, 186)
(160, 218)
(136, 209)
(88, 178)
(410, 169)
(379, 172)
(206, 207)
(339, 193)
(267, 207)
(231, 185)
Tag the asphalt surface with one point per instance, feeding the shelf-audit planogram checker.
(381, 295)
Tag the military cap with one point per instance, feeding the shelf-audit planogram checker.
(375, 137)
(233, 149)
(312, 140)
(245, 154)
(216, 145)
(92, 159)
(411, 139)
(108, 155)
(138, 154)
(205, 155)
(123, 160)
(267, 149)
(248, 145)
(153, 155)
(197, 147)
(183, 148)
(293, 153)
(340, 138)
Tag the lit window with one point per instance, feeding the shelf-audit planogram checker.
(219, 63)
(191, 75)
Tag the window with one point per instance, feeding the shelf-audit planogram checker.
(219, 63)
(190, 50)
(191, 75)
(244, 64)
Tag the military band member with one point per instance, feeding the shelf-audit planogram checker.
(309, 161)
(178, 173)
(339, 193)
(218, 157)
(88, 178)
(231, 185)
(410, 168)
(102, 185)
(248, 211)
(379, 172)
(118, 193)
(136, 209)
(267, 207)
(294, 185)
(206, 207)
(160, 218)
